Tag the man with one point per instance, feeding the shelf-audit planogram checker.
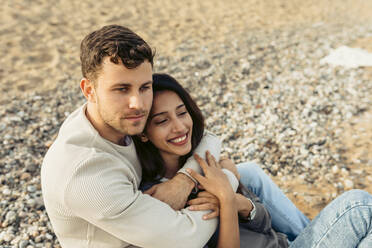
(90, 175)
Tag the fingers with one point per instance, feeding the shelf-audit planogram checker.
(218, 165)
(206, 194)
(204, 206)
(212, 215)
(207, 206)
(202, 163)
(196, 175)
(151, 190)
(201, 187)
(210, 159)
(203, 200)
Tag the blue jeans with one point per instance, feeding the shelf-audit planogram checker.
(346, 222)
(285, 217)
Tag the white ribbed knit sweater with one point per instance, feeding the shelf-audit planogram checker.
(90, 190)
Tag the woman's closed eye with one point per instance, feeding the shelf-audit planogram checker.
(182, 113)
(161, 121)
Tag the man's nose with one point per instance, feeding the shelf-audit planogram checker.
(135, 101)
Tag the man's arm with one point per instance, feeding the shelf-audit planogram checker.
(102, 192)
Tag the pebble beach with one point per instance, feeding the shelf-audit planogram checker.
(252, 66)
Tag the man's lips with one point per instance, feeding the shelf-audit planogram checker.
(134, 117)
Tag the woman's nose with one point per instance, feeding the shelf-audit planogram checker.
(178, 126)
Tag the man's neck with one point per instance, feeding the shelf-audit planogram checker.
(101, 127)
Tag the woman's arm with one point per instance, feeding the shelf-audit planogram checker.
(216, 182)
(229, 223)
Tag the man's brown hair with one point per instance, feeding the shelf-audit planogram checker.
(116, 42)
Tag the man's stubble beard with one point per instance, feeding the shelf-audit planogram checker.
(118, 123)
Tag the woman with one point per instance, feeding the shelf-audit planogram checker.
(175, 127)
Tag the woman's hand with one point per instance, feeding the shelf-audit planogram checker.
(205, 201)
(244, 205)
(214, 180)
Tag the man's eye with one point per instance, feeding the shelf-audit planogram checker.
(144, 88)
(122, 89)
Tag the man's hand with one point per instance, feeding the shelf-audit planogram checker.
(173, 192)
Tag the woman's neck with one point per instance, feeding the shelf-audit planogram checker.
(171, 163)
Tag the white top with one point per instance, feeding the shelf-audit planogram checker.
(90, 190)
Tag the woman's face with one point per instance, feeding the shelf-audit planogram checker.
(170, 125)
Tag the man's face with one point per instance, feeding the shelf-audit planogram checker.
(123, 97)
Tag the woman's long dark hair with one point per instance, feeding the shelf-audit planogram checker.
(151, 161)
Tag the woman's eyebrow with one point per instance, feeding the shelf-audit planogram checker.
(161, 113)
(180, 106)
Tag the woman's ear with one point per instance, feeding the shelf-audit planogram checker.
(144, 138)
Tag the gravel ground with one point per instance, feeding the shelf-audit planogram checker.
(259, 83)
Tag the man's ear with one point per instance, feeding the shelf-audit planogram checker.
(87, 87)
(144, 138)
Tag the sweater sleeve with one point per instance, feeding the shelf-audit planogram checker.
(209, 142)
(103, 192)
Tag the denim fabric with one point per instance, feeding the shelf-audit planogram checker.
(285, 217)
(346, 222)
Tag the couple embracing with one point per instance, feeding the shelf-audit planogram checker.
(134, 167)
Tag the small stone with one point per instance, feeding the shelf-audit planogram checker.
(31, 188)
(31, 202)
(25, 176)
(274, 168)
(48, 236)
(8, 237)
(10, 217)
(39, 238)
(48, 245)
(39, 202)
(31, 167)
(23, 244)
(32, 231)
(335, 169)
(48, 143)
(245, 68)
(369, 179)
(348, 184)
(344, 172)
(7, 191)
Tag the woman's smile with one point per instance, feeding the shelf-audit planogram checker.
(180, 140)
